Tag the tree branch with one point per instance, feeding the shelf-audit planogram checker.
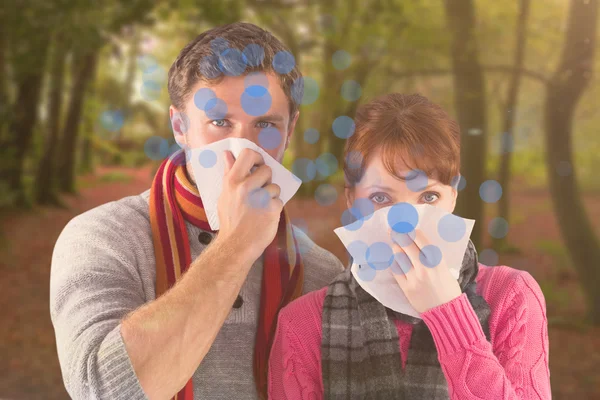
(495, 94)
(308, 45)
(487, 68)
(278, 3)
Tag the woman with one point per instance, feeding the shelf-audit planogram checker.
(481, 337)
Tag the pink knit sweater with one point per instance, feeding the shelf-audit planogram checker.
(513, 366)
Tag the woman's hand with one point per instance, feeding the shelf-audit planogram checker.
(422, 275)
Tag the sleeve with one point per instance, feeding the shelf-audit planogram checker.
(94, 283)
(515, 367)
(290, 374)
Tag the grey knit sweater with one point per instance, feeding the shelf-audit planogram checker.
(103, 267)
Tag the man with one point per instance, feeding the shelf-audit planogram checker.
(146, 301)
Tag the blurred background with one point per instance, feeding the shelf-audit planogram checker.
(84, 120)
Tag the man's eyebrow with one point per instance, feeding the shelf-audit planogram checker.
(226, 116)
(270, 117)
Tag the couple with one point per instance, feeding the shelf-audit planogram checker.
(148, 302)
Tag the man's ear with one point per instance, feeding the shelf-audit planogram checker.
(291, 128)
(180, 124)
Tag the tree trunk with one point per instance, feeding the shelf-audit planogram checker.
(84, 66)
(507, 137)
(128, 88)
(86, 149)
(25, 113)
(278, 24)
(89, 122)
(4, 100)
(364, 64)
(564, 91)
(45, 178)
(470, 104)
(337, 145)
(326, 102)
(87, 155)
(327, 107)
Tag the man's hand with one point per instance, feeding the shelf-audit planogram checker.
(249, 206)
(190, 315)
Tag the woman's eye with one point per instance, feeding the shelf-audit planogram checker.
(430, 197)
(219, 122)
(379, 198)
(264, 124)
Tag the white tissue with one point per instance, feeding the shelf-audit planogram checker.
(375, 228)
(209, 179)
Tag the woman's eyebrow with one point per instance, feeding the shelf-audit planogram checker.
(386, 188)
(430, 186)
(409, 177)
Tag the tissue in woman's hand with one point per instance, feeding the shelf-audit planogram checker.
(208, 166)
(369, 243)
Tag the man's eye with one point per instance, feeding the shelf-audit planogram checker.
(264, 124)
(219, 122)
(379, 198)
(430, 197)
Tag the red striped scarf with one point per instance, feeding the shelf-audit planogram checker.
(174, 200)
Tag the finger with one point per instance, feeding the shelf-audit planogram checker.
(401, 266)
(401, 239)
(276, 205)
(259, 178)
(420, 240)
(245, 161)
(229, 161)
(423, 255)
(412, 251)
(273, 189)
(430, 256)
(400, 270)
(401, 280)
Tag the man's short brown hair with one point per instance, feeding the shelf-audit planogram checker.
(202, 60)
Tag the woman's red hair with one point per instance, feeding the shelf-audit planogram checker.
(407, 128)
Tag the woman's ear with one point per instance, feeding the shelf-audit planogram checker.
(454, 197)
(180, 124)
(349, 192)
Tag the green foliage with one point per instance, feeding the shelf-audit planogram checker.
(530, 166)
(105, 149)
(389, 36)
(517, 216)
(506, 248)
(558, 252)
(115, 177)
(288, 159)
(7, 197)
(552, 247)
(216, 12)
(337, 179)
(557, 297)
(109, 153)
(134, 159)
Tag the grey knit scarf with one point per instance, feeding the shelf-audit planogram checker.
(360, 346)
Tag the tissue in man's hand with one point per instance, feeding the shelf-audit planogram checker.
(369, 243)
(208, 166)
